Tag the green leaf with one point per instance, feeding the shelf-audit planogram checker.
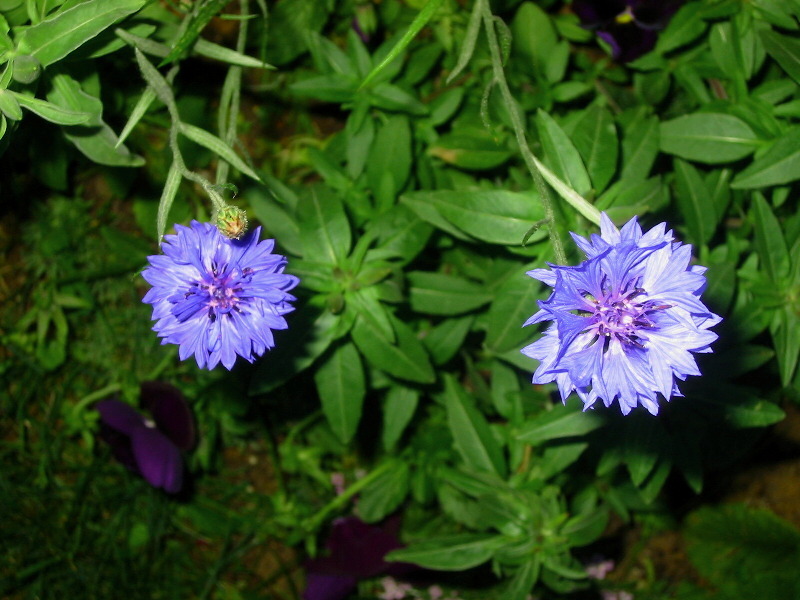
(644, 444)
(341, 386)
(218, 147)
(368, 306)
(740, 410)
(745, 553)
(95, 140)
(227, 55)
(505, 389)
(640, 144)
(447, 338)
(203, 14)
(786, 336)
(585, 528)
(390, 155)
(521, 584)
(773, 254)
(289, 26)
(405, 359)
(168, 194)
(9, 105)
(428, 213)
(451, 553)
(402, 234)
(534, 37)
(472, 150)
(561, 155)
(778, 165)
(276, 220)
(514, 302)
(694, 202)
(468, 42)
(684, 27)
(422, 18)
(441, 294)
(710, 138)
(784, 49)
(58, 36)
(473, 438)
(391, 97)
(51, 112)
(494, 216)
(399, 406)
(595, 137)
(324, 228)
(384, 493)
(560, 422)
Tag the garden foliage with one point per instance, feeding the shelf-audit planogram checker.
(412, 160)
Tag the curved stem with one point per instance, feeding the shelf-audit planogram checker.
(539, 172)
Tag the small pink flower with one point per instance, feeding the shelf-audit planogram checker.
(599, 570)
(393, 589)
(338, 482)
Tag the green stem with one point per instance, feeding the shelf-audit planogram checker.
(341, 500)
(97, 395)
(539, 172)
(164, 93)
(231, 96)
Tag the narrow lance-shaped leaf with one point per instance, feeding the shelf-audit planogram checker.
(51, 112)
(560, 422)
(778, 165)
(416, 26)
(561, 154)
(399, 406)
(218, 147)
(324, 229)
(58, 36)
(205, 12)
(340, 382)
(452, 553)
(708, 138)
(405, 359)
(473, 437)
(468, 43)
(770, 244)
(695, 202)
(167, 197)
(385, 493)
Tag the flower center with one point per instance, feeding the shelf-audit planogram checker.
(622, 316)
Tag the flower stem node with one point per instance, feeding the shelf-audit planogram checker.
(626, 321)
(232, 222)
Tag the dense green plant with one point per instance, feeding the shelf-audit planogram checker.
(413, 160)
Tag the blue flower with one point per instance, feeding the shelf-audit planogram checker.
(217, 297)
(626, 321)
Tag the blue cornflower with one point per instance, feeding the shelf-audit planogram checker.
(218, 297)
(625, 321)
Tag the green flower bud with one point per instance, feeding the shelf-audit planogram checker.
(27, 68)
(232, 222)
